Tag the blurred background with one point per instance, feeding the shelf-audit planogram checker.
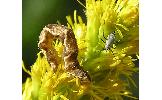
(35, 15)
(38, 13)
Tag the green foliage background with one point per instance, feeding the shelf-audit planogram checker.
(35, 15)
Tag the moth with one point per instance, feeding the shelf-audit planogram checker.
(52, 32)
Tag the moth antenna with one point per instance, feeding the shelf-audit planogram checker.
(81, 4)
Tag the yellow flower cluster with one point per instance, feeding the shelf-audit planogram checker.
(110, 70)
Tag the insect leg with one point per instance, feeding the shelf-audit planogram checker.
(103, 41)
(112, 52)
(104, 36)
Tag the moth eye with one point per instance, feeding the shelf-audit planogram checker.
(41, 55)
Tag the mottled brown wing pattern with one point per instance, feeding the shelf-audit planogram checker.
(52, 32)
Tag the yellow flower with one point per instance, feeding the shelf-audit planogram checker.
(108, 69)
